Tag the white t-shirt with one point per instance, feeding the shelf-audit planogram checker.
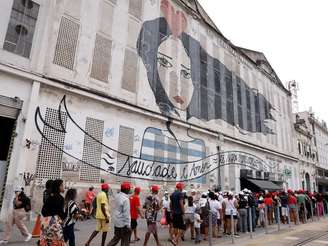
(230, 206)
(215, 205)
(197, 219)
(166, 204)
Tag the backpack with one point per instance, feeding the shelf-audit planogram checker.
(26, 202)
(205, 210)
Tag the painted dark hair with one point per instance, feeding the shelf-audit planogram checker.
(204, 104)
(55, 186)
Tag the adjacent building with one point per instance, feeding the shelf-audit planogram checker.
(321, 141)
(87, 85)
(307, 150)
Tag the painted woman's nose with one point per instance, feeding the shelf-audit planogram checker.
(174, 77)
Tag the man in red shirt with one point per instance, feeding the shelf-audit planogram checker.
(292, 203)
(135, 211)
(89, 196)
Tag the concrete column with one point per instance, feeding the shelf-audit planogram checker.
(19, 158)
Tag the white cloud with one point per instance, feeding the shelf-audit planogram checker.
(293, 34)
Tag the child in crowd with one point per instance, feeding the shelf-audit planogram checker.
(72, 213)
(197, 222)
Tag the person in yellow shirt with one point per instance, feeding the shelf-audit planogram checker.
(102, 215)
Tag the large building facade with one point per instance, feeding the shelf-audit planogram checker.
(84, 84)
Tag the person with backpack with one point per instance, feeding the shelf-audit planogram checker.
(152, 206)
(21, 205)
(72, 214)
(230, 206)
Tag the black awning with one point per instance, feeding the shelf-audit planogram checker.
(264, 184)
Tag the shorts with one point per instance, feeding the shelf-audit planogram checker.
(151, 227)
(102, 226)
(189, 219)
(134, 224)
(292, 206)
(168, 218)
(178, 222)
(228, 217)
(284, 211)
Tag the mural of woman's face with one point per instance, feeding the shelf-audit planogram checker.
(174, 69)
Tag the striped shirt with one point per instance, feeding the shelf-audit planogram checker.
(71, 210)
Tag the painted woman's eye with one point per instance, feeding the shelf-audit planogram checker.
(164, 62)
(185, 74)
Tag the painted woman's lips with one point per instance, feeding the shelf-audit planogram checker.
(179, 99)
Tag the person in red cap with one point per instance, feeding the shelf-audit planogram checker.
(102, 215)
(122, 217)
(135, 212)
(177, 211)
(292, 204)
(152, 206)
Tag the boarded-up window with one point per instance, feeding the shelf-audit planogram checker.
(130, 70)
(49, 164)
(101, 58)
(106, 20)
(92, 150)
(133, 32)
(135, 8)
(125, 146)
(239, 103)
(66, 43)
(229, 93)
(21, 27)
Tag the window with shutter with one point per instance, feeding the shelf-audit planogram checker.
(229, 93)
(49, 163)
(135, 8)
(92, 150)
(101, 59)
(130, 71)
(21, 27)
(125, 146)
(66, 43)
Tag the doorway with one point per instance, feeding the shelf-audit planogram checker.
(7, 126)
(308, 184)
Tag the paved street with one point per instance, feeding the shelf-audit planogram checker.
(313, 233)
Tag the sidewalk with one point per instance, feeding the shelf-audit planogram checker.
(85, 228)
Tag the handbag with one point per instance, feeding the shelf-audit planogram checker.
(163, 220)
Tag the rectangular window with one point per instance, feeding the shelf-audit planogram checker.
(101, 58)
(135, 8)
(92, 150)
(49, 163)
(66, 43)
(203, 88)
(240, 104)
(21, 27)
(130, 70)
(125, 146)
(217, 87)
(229, 93)
(249, 113)
(257, 112)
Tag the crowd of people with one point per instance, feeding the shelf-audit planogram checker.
(212, 213)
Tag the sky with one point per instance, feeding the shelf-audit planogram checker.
(293, 35)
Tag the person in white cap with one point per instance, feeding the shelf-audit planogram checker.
(21, 205)
(229, 206)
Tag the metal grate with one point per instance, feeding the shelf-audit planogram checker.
(66, 43)
(49, 164)
(92, 150)
(125, 145)
(130, 70)
(101, 59)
